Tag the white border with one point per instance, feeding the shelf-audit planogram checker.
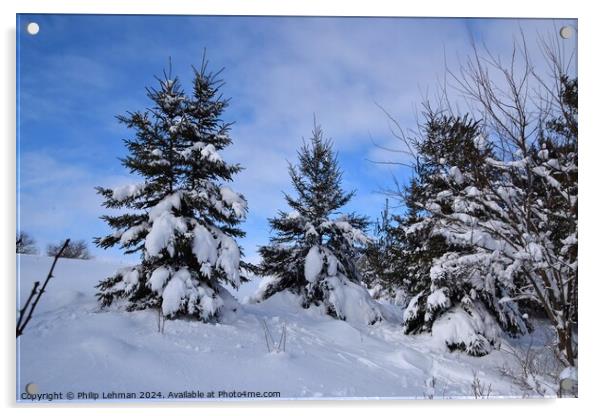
(590, 177)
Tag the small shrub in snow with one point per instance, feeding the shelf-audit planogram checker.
(535, 371)
(182, 219)
(480, 390)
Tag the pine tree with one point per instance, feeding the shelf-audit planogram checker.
(181, 218)
(374, 263)
(512, 211)
(314, 250)
(439, 272)
(383, 258)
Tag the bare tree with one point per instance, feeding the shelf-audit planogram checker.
(76, 250)
(26, 244)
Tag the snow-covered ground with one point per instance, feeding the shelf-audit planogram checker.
(72, 346)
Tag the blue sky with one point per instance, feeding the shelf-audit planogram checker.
(82, 70)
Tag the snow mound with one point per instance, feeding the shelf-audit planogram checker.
(474, 332)
(351, 302)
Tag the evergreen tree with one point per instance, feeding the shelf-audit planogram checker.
(382, 261)
(374, 266)
(181, 218)
(510, 212)
(452, 157)
(314, 250)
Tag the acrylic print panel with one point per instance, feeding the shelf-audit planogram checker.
(265, 208)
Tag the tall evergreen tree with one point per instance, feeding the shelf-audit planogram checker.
(314, 250)
(181, 218)
(452, 157)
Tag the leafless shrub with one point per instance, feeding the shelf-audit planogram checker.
(76, 250)
(479, 389)
(534, 370)
(26, 244)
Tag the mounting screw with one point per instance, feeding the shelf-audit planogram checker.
(31, 388)
(33, 28)
(566, 32)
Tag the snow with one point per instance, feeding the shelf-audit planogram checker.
(166, 205)
(314, 262)
(354, 235)
(352, 302)
(204, 245)
(72, 345)
(164, 226)
(132, 233)
(568, 373)
(293, 215)
(410, 313)
(437, 300)
(480, 142)
(235, 201)
(124, 192)
(210, 153)
(476, 332)
(174, 292)
(229, 259)
(162, 233)
(456, 175)
(158, 278)
(209, 302)
(130, 280)
(333, 264)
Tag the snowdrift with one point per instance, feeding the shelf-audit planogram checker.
(72, 345)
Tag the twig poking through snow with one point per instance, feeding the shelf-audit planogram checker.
(269, 340)
(36, 295)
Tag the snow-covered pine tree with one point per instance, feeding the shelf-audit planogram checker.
(180, 217)
(441, 276)
(521, 217)
(314, 249)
